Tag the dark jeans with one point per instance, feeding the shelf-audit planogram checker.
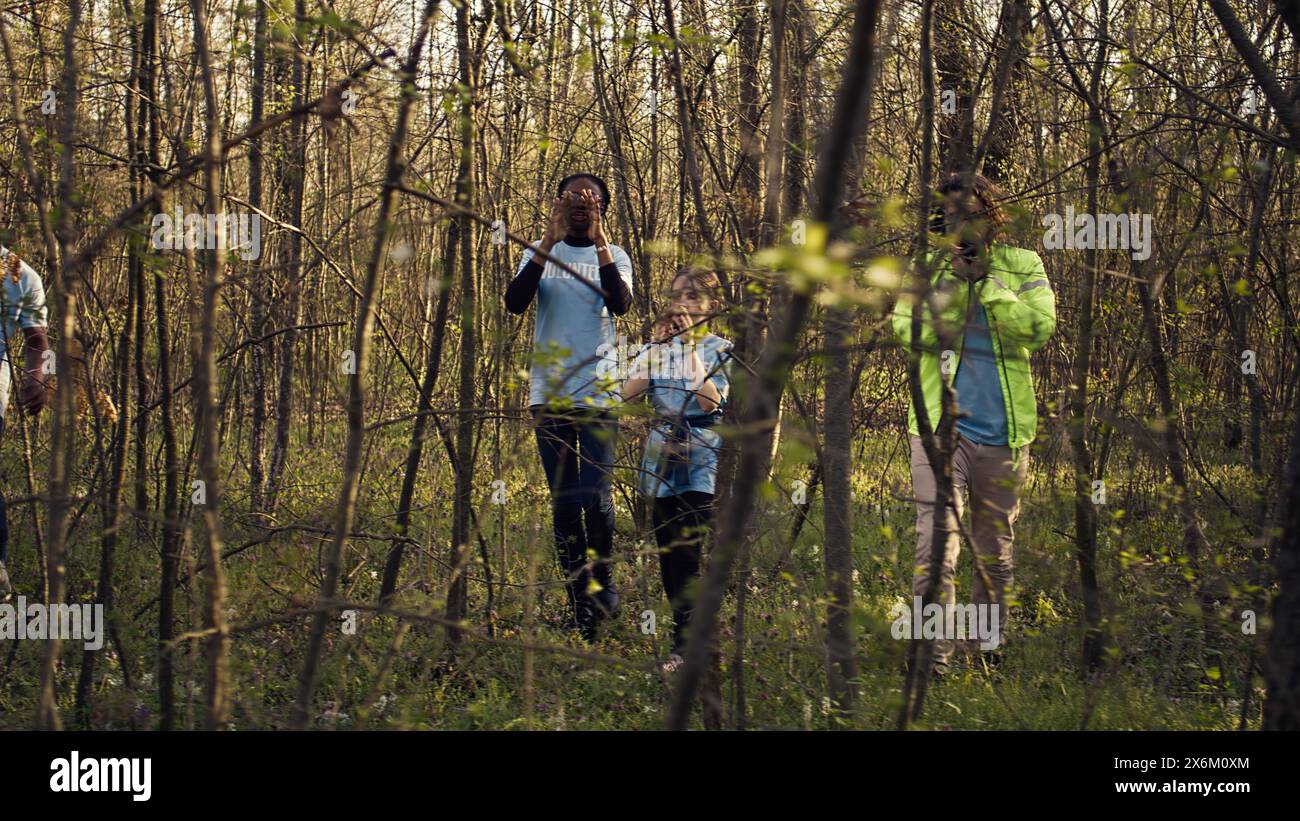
(577, 450)
(681, 525)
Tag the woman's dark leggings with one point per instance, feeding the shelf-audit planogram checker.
(681, 525)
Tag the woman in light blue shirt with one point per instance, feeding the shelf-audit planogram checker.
(683, 375)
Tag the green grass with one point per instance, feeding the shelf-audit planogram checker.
(1167, 667)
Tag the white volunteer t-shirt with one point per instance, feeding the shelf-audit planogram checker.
(574, 352)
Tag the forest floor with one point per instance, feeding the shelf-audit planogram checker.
(1168, 664)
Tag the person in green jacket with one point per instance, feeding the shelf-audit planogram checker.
(995, 307)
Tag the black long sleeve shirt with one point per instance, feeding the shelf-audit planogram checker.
(523, 288)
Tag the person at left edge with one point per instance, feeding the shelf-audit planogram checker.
(23, 318)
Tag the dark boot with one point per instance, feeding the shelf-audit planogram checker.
(583, 610)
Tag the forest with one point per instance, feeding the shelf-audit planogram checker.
(297, 292)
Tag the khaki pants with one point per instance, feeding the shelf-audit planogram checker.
(994, 484)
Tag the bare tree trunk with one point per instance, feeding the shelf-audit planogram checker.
(775, 149)
(1085, 514)
(796, 124)
(260, 290)
(749, 162)
(170, 545)
(1284, 104)
(458, 590)
(1193, 538)
(938, 441)
(112, 516)
(841, 667)
(690, 163)
(62, 438)
(297, 172)
(751, 331)
(772, 370)
(613, 129)
(953, 62)
(395, 170)
(1282, 666)
(1000, 142)
(203, 344)
(836, 467)
(1239, 312)
(419, 430)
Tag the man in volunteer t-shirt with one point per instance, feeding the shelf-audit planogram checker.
(574, 382)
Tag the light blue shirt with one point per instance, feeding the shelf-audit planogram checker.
(574, 353)
(670, 396)
(22, 305)
(979, 390)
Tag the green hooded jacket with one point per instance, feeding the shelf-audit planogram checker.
(1021, 311)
